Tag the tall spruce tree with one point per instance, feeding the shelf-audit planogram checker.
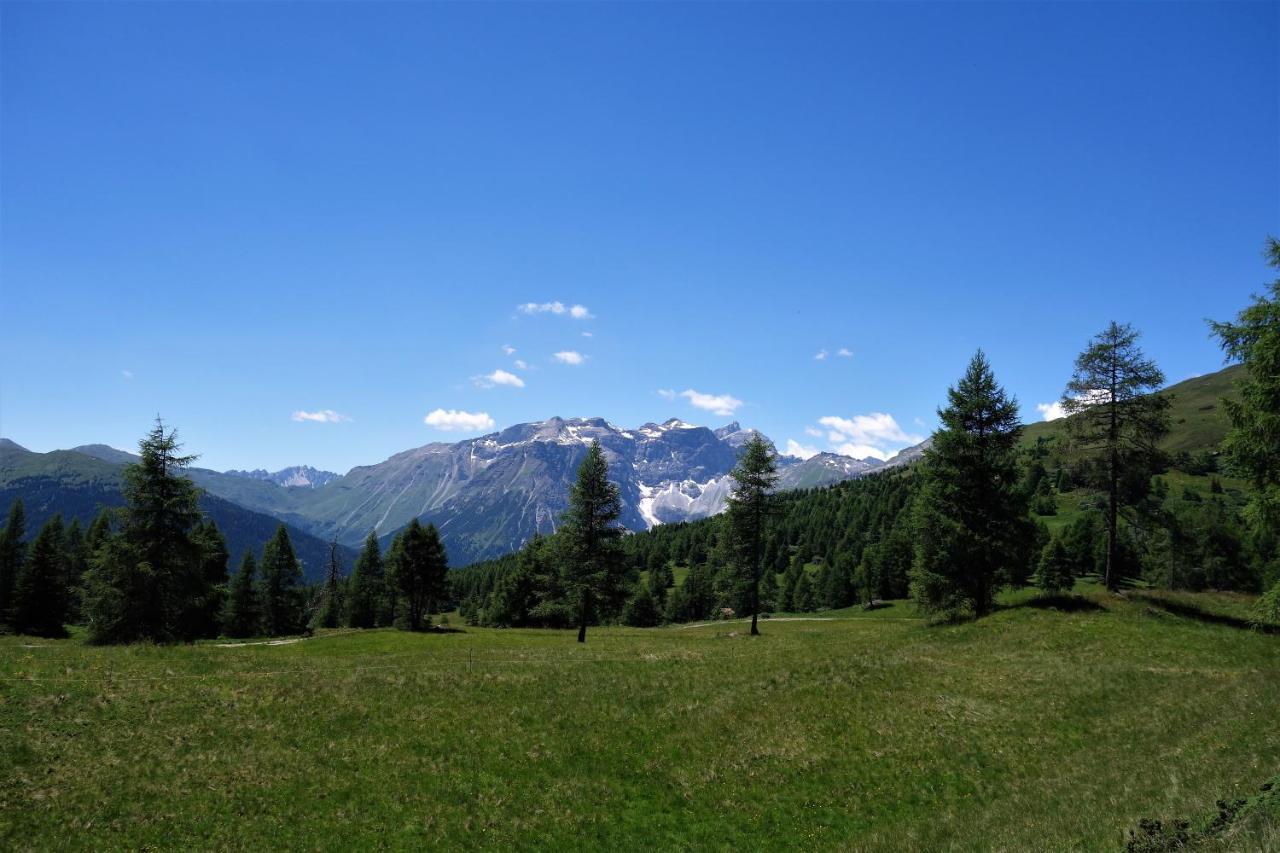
(593, 559)
(243, 614)
(329, 614)
(418, 569)
(140, 583)
(283, 603)
(40, 596)
(750, 508)
(76, 547)
(1116, 422)
(971, 517)
(1253, 444)
(368, 586)
(13, 550)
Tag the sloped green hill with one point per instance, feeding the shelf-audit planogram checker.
(79, 485)
(1195, 409)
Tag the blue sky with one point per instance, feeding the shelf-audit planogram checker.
(234, 213)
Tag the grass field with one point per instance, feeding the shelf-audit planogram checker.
(1034, 729)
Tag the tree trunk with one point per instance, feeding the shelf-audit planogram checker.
(582, 622)
(1113, 486)
(755, 606)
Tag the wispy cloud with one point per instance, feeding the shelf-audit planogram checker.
(521, 364)
(570, 357)
(127, 374)
(803, 451)
(324, 416)
(813, 431)
(499, 377)
(456, 420)
(820, 355)
(844, 352)
(577, 312)
(588, 334)
(508, 349)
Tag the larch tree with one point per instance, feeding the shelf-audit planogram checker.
(1116, 422)
(971, 516)
(591, 534)
(750, 508)
(140, 582)
(329, 614)
(1253, 444)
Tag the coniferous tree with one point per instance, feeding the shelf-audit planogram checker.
(593, 560)
(750, 508)
(1054, 572)
(76, 549)
(1253, 444)
(243, 614)
(368, 586)
(1116, 421)
(804, 600)
(769, 590)
(641, 610)
(13, 550)
(418, 569)
(972, 521)
(283, 603)
(140, 582)
(204, 600)
(329, 614)
(40, 592)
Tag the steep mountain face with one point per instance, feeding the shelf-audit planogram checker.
(294, 477)
(79, 483)
(488, 495)
(823, 470)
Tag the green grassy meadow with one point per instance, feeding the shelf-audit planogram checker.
(1034, 729)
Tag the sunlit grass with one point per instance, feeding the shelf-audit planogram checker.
(1032, 729)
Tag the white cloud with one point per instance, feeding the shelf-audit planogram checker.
(577, 312)
(324, 416)
(1056, 409)
(803, 451)
(455, 420)
(862, 451)
(667, 394)
(521, 364)
(844, 352)
(876, 434)
(717, 404)
(499, 377)
(127, 374)
(588, 334)
(508, 349)
(820, 355)
(570, 357)
(1051, 411)
(816, 433)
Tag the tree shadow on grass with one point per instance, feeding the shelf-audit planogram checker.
(1062, 602)
(1190, 611)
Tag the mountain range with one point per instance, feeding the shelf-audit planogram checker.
(487, 495)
